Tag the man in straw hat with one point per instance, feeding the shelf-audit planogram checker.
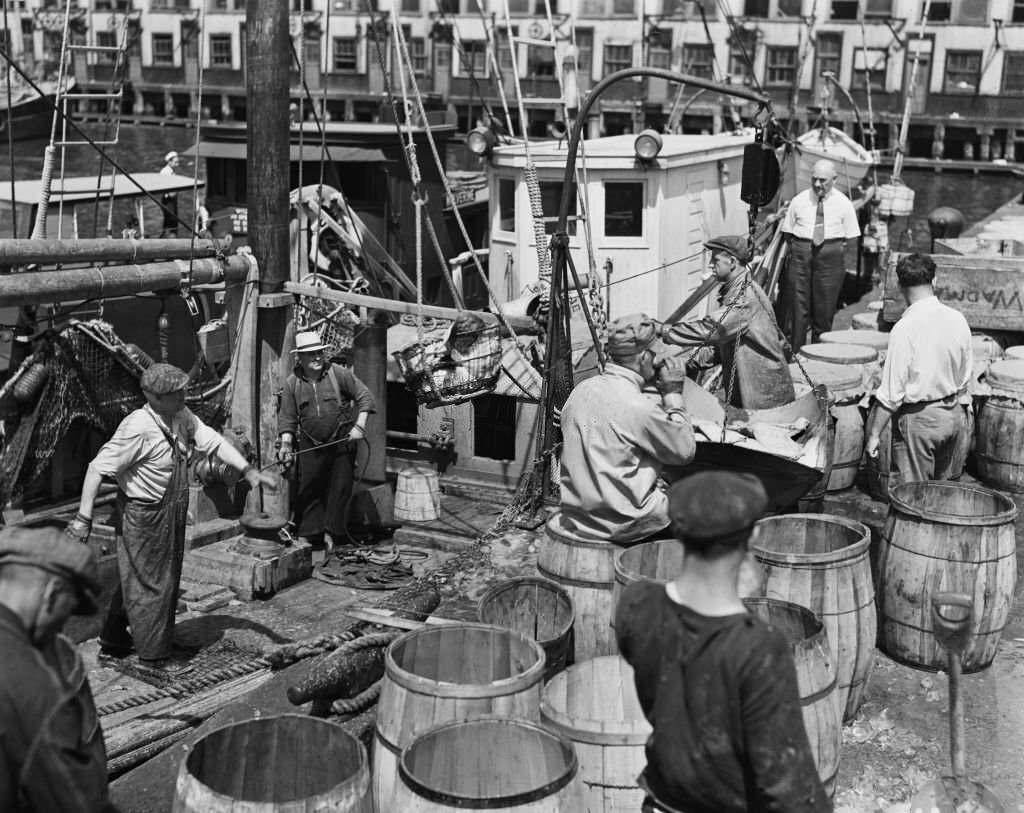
(324, 410)
(741, 332)
(616, 441)
(718, 685)
(148, 456)
(52, 755)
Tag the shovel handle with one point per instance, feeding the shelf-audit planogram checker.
(952, 614)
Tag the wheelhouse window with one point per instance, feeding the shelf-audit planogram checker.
(550, 198)
(963, 71)
(617, 58)
(624, 209)
(1017, 15)
(345, 60)
(506, 204)
(1013, 72)
(869, 68)
(780, 70)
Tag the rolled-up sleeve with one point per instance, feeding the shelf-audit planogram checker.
(851, 226)
(124, 448)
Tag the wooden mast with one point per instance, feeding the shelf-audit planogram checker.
(267, 57)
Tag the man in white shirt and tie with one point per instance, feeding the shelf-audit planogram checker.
(818, 222)
(924, 380)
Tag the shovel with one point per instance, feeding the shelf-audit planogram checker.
(951, 622)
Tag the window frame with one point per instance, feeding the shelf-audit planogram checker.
(789, 69)
(951, 54)
(505, 186)
(220, 38)
(550, 193)
(641, 185)
(864, 74)
(339, 47)
(1007, 55)
(106, 39)
(155, 53)
(472, 61)
(606, 61)
(706, 69)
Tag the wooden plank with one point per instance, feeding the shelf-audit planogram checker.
(521, 324)
(388, 618)
(988, 291)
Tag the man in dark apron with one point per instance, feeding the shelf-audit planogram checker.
(324, 407)
(149, 456)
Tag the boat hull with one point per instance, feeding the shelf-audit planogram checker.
(28, 119)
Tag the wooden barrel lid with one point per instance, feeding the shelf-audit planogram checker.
(865, 321)
(985, 348)
(834, 353)
(875, 339)
(1007, 375)
(837, 377)
(1016, 352)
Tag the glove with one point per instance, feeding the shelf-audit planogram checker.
(671, 376)
(78, 529)
(285, 454)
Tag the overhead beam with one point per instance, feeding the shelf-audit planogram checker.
(105, 249)
(520, 324)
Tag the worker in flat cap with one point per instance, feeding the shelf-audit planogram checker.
(717, 684)
(52, 755)
(322, 416)
(148, 456)
(617, 442)
(741, 333)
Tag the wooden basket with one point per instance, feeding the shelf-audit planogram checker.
(895, 200)
(438, 380)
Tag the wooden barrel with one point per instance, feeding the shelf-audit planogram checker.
(820, 561)
(815, 678)
(853, 355)
(1015, 353)
(846, 389)
(488, 764)
(659, 561)
(865, 321)
(879, 472)
(586, 570)
(999, 444)
(539, 609)
(949, 537)
(445, 674)
(417, 495)
(594, 704)
(872, 338)
(287, 763)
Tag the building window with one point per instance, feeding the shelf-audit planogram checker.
(220, 50)
(410, 6)
(659, 48)
(302, 5)
(771, 8)
(1017, 15)
(550, 197)
(585, 52)
(780, 69)
(828, 53)
(518, 6)
(844, 10)
(1013, 72)
(699, 60)
(540, 61)
(106, 39)
(608, 8)
(506, 204)
(741, 55)
(869, 68)
(624, 209)
(963, 71)
(113, 5)
(225, 5)
(473, 58)
(418, 54)
(345, 54)
(617, 58)
(941, 11)
(354, 6)
(445, 6)
(878, 8)
(503, 43)
(163, 49)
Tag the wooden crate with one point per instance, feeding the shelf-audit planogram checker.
(988, 291)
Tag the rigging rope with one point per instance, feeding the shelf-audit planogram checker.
(195, 173)
(10, 136)
(490, 30)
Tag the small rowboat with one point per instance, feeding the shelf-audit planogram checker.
(851, 159)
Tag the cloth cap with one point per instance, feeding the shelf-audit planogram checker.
(714, 504)
(50, 550)
(629, 335)
(163, 379)
(307, 341)
(170, 156)
(736, 245)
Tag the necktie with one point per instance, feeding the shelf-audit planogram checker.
(819, 224)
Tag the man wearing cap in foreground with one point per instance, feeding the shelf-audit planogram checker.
(324, 407)
(742, 332)
(616, 441)
(52, 756)
(148, 455)
(717, 684)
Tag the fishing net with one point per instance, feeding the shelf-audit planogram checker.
(84, 373)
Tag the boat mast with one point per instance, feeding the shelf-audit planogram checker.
(263, 369)
(901, 147)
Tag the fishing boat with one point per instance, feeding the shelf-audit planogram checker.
(29, 114)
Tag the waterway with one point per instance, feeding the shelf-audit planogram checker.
(142, 148)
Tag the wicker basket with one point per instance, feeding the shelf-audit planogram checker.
(895, 199)
(334, 324)
(438, 379)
